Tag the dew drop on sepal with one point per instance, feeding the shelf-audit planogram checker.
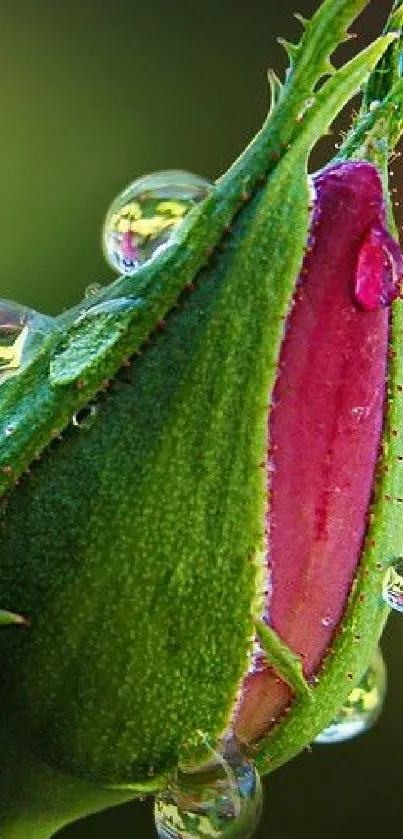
(392, 589)
(92, 290)
(22, 330)
(85, 417)
(222, 799)
(114, 307)
(142, 218)
(362, 707)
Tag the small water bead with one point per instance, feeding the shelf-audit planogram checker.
(392, 590)
(85, 417)
(258, 658)
(21, 332)
(362, 708)
(112, 307)
(326, 621)
(142, 219)
(92, 290)
(222, 800)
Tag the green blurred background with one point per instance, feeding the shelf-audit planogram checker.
(95, 93)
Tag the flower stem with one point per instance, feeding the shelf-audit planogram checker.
(36, 800)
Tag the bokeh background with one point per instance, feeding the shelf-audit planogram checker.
(93, 94)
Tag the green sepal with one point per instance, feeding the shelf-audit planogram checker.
(11, 618)
(376, 131)
(286, 664)
(389, 69)
(276, 88)
(310, 59)
(140, 496)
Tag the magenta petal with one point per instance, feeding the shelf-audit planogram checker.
(326, 424)
(129, 250)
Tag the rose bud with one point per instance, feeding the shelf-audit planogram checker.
(187, 463)
(325, 424)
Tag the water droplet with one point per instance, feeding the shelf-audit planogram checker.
(141, 220)
(362, 708)
(379, 270)
(307, 104)
(115, 306)
(92, 290)
(21, 332)
(360, 411)
(85, 417)
(223, 799)
(258, 659)
(327, 621)
(393, 586)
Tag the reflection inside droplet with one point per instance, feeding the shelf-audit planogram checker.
(21, 332)
(142, 219)
(85, 417)
(223, 799)
(392, 590)
(362, 708)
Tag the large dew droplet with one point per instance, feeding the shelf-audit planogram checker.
(362, 708)
(222, 800)
(22, 330)
(142, 219)
(393, 586)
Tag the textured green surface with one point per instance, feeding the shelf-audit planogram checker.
(285, 663)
